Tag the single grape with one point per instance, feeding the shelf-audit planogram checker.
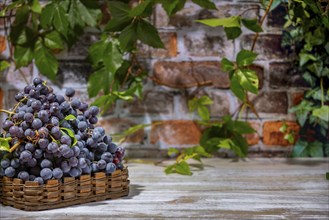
(51, 97)
(44, 116)
(46, 174)
(52, 147)
(10, 172)
(93, 120)
(14, 130)
(75, 172)
(54, 121)
(33, 93)
(94, 110)
(107, 156)
(69, 92)
(110, 168)
(25, 156)
(76, 150)
(29, 110)
(14, 162)
(5, 163)
(29, 133)
(75, 103)
(83, 107)
(101, 164)
(23, 175)
(43, 143)
(43, 132)
(30, 147)
(45, 163)
(20, 115)
(65, 166)
(19, 96)
(94, 167)
(37, 123)
(39, 180)
(65, 106)
(38, 153)
(112, 148)
(7, 124)
(87, 114)
(82, 163)
(60, 98)
(91, 143)
(36, 105)
(82, 125)
(87, 170)
(57, 173)
(37, 81)
(101, 147)
(56, 132)
(27, 89)
(96, 136)
(45, 106)
(32, 163)
(73, 162)
(65, 139)
(25, 125)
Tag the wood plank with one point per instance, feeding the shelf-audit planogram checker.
(252, 189)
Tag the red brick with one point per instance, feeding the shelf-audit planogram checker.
(284, 74)
(254, 138)
(271, 102)
(190, 74)
(169, 39)
(119, 125)
(175, 132)
(152, 103)
(268, 46)
(2, 43)
(297, 98)
(273, 136)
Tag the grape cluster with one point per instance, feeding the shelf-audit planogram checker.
(55, 136)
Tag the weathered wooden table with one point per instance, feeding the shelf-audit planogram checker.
(252, 189)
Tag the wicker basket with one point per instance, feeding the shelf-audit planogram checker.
(70, 191)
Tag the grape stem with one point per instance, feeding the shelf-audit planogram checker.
(15, 146)
(8, 112)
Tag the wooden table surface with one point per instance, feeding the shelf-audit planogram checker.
(251, 189)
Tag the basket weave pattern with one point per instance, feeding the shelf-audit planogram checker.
(70, 191)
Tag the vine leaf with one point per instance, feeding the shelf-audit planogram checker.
(322, 113)
(245, 58)
(233, 21)
(252, 24)
(4, 144)
(45, 61)
(70, 133)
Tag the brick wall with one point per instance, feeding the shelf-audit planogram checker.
(186, 67)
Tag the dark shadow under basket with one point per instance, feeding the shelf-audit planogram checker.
(69, 191)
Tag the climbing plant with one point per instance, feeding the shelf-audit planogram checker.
(310, 42)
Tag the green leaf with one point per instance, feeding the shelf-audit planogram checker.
(70, 133)
(94, 86)
(242, 127)
(183, 168)
(152, 37)
(45, 61)
(88, 15)
(47, 15)
(327, 175)
(23, 56)
(172, 6)
(70, 117)
(284, 127)
(304, 58)
(204, 113)
(290, 138)
(128, 37)
(60, 21)
(4, 65)
(316, 149)
(252, 24)
(35, 6)
(141, 8)
(4, 144)
(300, 148)
(233, 21)
(22, 15)
(53, 40)
(232, 32)
(225, 143)
(205, 100)
(205, 4)
(172, 151)
(248, 79)
(227, 65)
(245, 57)
(236, 88)
(322, 113)
(240, 146)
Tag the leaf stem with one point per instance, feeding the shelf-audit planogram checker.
(261, 24)
(8, 112)
(15, 146)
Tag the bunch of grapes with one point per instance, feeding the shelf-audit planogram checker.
(52, 136)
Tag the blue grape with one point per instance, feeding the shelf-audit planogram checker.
(101, 147)
(107, 156)
(82, 125)
(37, 81)
(5, 163)
(14, 130)
(19, 96)
(7, 124)
(57, 173)
(52, 147)
(110, 168)
(93, 120)
(107, 139)
(60, 98)
(32, 163)
(75, 103)
(38, 153)
(43, 132)
(45, 163)
(29, 133)
(28, 117)
(75, 172)
(69, 92)
(54, 121)
(112, 148)
(94, 167)
(44, 116)
(65, 139)
(25, 125)
(101, 164)
(87, 170)
(37, 123)
(23, 175)
(83, 107)
(94, 110)
(30, 147)
(73, 162)
(10, 172)
(39, 180)
(76, 151)
(20, 115)
(65, 106)
(46, 174)
(36, 105)
(56, 132)
(96, 136)
(65, 166)
(14, 162)
(43, 143)
(25, 156)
